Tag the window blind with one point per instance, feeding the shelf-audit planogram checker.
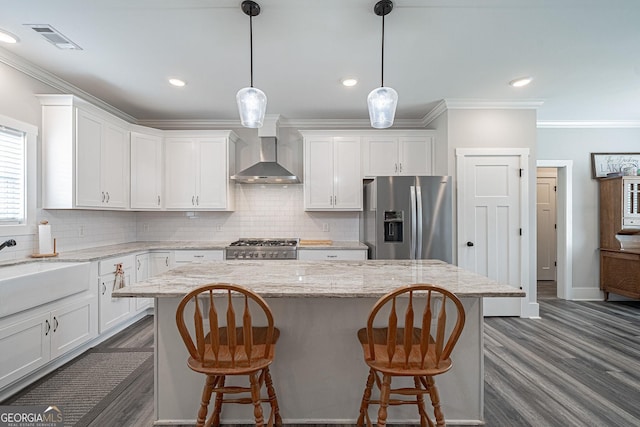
(12, 176)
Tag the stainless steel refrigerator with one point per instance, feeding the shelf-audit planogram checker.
(408, 217)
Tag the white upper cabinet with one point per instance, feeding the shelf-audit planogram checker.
(332, 178)
(197, 170)
(402, 152)
(146, 171)
(85, 159)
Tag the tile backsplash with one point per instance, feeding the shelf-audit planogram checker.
(261, 211)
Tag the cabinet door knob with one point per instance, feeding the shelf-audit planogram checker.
(469, 244)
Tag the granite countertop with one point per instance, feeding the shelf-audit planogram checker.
(333, 279)
(100, 252)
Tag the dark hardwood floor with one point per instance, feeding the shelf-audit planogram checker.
(578, 365)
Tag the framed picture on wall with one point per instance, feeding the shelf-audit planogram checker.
(614, 164)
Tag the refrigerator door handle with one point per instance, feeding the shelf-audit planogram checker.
(420, 221)
(412, 254)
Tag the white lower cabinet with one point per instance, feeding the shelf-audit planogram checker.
(149, 265)
(188, 256)
(31, 341)
(332, 254)
(114, 311)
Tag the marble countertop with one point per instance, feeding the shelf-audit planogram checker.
(332, 279)
(337, 245)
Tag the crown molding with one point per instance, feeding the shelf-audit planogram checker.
(492, 104)
(435, 112)
(57, 83)
(588, 124)
(190, 124)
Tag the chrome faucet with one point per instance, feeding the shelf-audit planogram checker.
(9, 242)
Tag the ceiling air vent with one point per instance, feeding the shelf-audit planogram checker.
(54, 37)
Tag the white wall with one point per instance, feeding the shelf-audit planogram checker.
(500, 128)
(576, 145)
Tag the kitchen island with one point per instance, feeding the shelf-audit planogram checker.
(319, 372)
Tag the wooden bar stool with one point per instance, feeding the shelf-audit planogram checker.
(219, 348)
(422, 351)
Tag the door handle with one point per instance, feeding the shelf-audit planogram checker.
(469, 244)
(55, 324)
(104, 288)
(48, 327)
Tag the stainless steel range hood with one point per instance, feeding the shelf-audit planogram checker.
(267, 170)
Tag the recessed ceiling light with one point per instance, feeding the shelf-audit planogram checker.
(7, 37)
(349, 82)
(521, 81)
(177, 82)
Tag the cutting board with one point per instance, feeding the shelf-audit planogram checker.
(316, 242)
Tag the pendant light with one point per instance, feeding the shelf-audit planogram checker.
(382, 101)
(252, 102)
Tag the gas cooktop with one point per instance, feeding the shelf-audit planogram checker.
(262, 249)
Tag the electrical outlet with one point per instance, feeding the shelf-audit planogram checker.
(325, 227)
(81, 231)
(145, 228)
(218, 227)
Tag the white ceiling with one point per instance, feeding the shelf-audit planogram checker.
(584, 55)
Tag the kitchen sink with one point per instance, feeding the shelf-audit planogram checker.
(27, 285)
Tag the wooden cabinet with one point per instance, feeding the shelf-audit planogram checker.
(619, 213)
(620, 273)
(197, 170)
(146, 171)
(388, 153)
(85, 156)
(332, 178)
(332, 254)
(33, 339)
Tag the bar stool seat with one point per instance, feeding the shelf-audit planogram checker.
(421, 352)
(216, 352)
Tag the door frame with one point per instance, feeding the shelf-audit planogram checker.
(564, 217)
(528, 306)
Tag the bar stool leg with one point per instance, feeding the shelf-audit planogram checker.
(204, 403)
(435, 401)
(215, 420)
(273, 399)
(255, 398)
(385, 391)
(364, 406)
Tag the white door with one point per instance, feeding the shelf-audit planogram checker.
(115, 166)
(211, 182)
(318, 173)
(72, 326)
(146, 171)
(490, 222)
(415, 155)
(89, 191)
(347, 179)
(380, 156)
(180, 173)
(546, 227)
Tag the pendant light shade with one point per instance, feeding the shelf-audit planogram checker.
(382, 101)
(252, 102)
(382, 107)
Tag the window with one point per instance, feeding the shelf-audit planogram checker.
(12, 176)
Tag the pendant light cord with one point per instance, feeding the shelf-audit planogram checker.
(251, 45)
(382, 60)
